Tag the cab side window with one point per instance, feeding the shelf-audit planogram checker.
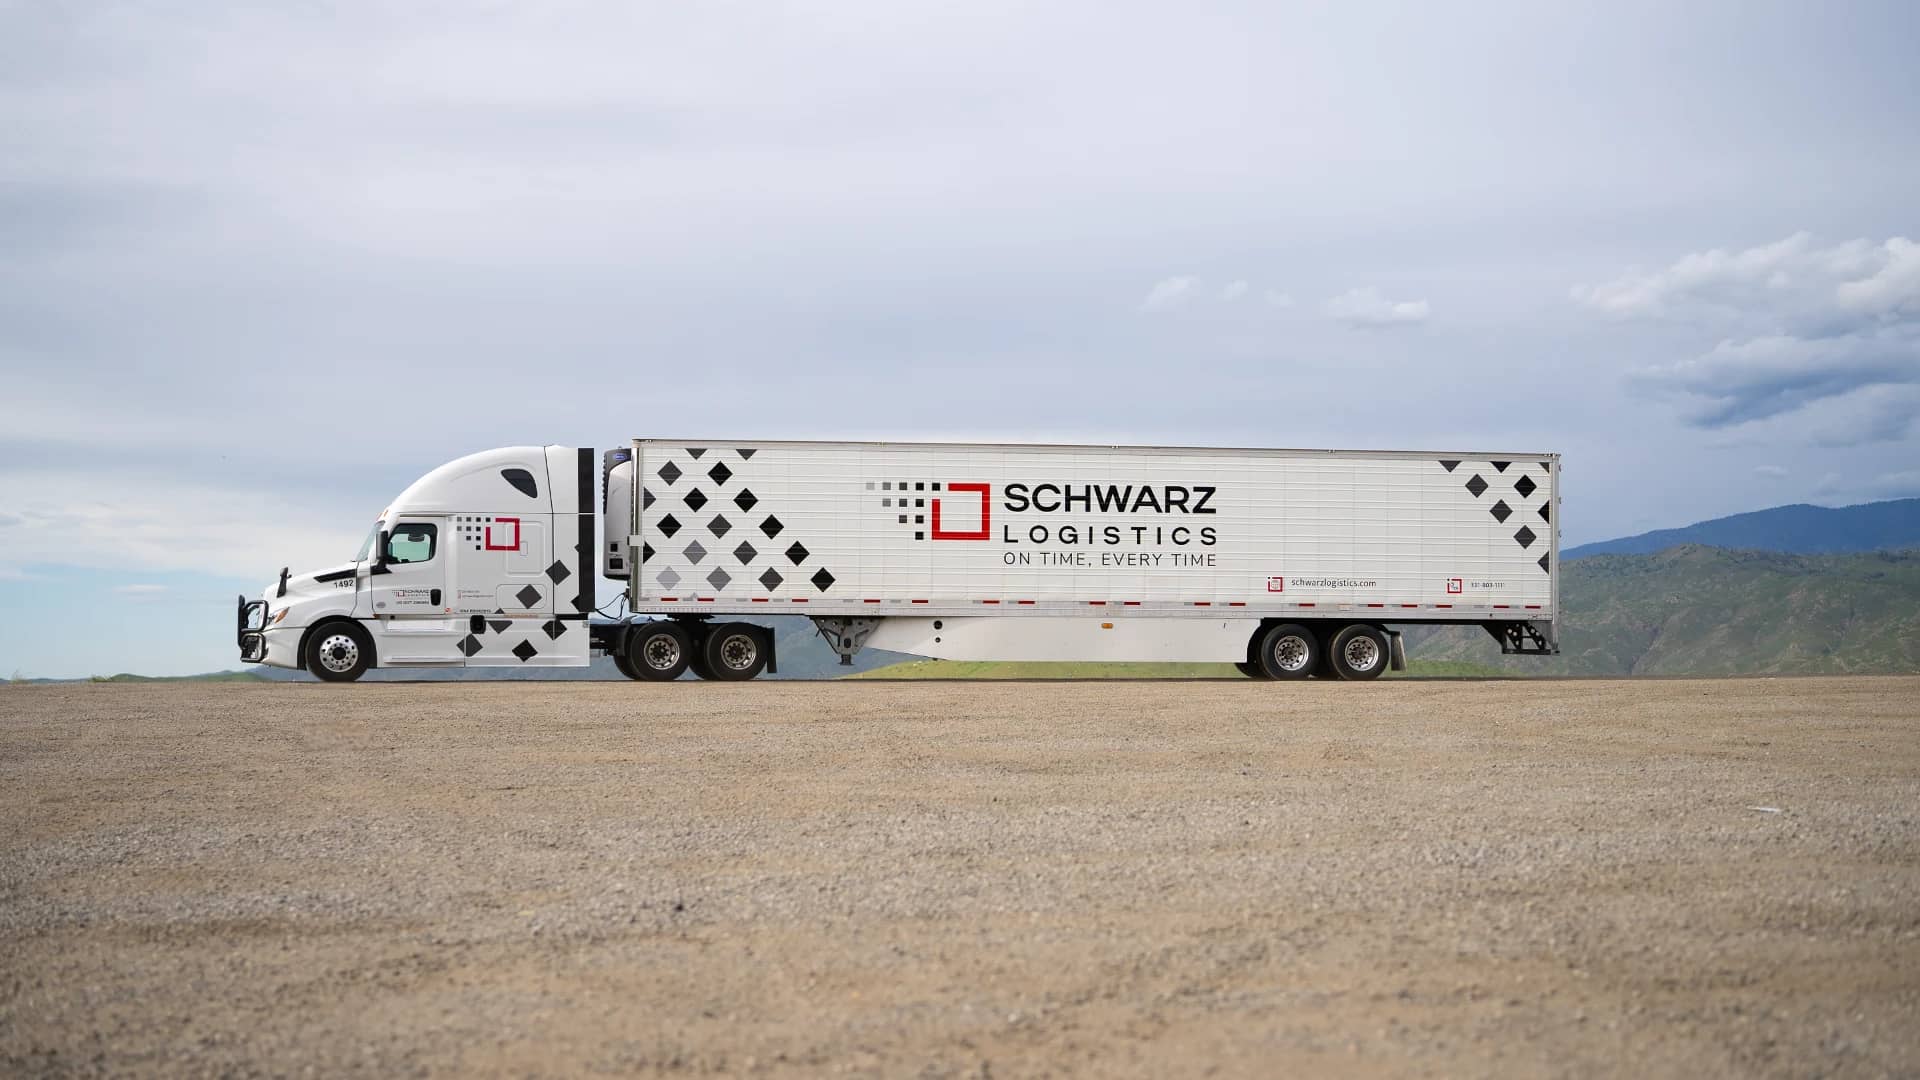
(412, 543)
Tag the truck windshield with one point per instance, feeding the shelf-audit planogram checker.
(366, 546)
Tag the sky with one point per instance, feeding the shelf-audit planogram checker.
(263, 264)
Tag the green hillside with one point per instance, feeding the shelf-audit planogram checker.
(1695, 610)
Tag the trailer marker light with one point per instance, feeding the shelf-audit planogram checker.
(1106, 626)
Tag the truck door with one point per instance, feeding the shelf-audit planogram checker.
(409, 590)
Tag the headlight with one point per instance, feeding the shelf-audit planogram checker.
(278, 615)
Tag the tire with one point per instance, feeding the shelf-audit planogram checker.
(339, 652)
(1289, 651)
(1250, 669)
(658, 651)
(734, 652)
(626, 666)
(1358, 652)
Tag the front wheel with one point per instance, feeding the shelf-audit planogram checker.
(734, 652)
(339, 652)
(1358, 652)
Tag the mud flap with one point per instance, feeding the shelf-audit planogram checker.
(1396, 652)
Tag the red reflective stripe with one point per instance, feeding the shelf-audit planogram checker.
(703, 599)
(989, 601)
(1376, 605)
(919, 601)
(1203, 603)
(759, 599)
(799, 599)
(1443, 605)
(1303, 605)
(1098, 603)
(1409, 605)
(1503, 605)
(1023, 601)
(1236, 603)
(1129, 603)
(668, 599)
(1533, 607)
(869, 601)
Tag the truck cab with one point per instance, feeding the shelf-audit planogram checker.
(485, 561)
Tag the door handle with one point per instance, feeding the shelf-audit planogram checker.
(433, 597)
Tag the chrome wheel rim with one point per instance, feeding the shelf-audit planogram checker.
(1362, 653)
(738, 652)
(661, 652)
(339, 653)
(1291, 653)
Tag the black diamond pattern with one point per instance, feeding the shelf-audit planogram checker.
(528, 596)
(745, 500)
(669, 472)
(1525, 537)
(745, 553)
(696, 499)
(1543, 512)
(797, 553)
(554, 627)
(696, 454)
(745, 454)
(719, 578)
(771, 526)
(771, 579)
(1545, 565)
(720, 473)
(1501, 510)
(720, 526)
(1525, 486)
(669, 525)
(500, 626)
(646, 498)
(646, 552)
(695, 553)
(558, 572)
(1501, 466)
(822, 580)
(1449, 465)
(1476, 485)
(525, 651)
(469, 645)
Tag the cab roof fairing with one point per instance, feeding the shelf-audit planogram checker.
(478, 482)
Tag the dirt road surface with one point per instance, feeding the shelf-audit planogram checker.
(1165, 879)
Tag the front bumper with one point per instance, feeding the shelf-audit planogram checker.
(251, 632)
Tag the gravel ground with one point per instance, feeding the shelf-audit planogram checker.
(962, 879)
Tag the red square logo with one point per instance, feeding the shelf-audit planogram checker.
(1455, 586)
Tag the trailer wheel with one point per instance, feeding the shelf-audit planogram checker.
(339, 652)
(658, 651)
(1289, 651)
(734, 652)
(1250, 669)
(1358, 652)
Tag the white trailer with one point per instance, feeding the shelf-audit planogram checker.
(1287, 563)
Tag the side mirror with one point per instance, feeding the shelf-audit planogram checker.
(380, 551)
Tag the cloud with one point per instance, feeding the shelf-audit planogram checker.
(1796, 324)
(1770, 472)
(1278, 299)
(140, 591)
(1234, 291)
(1170, 293)
(1366, 307)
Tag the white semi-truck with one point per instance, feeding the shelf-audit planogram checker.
(1286, 563)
